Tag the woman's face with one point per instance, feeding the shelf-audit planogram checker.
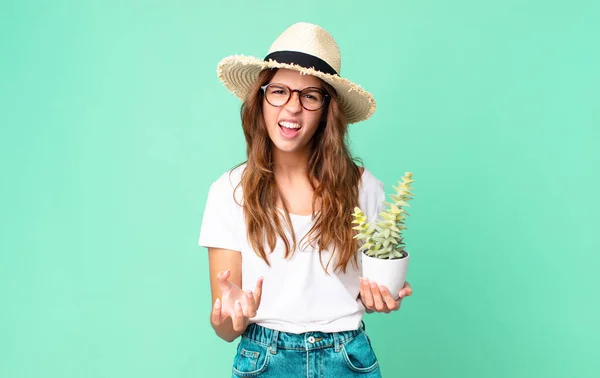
(290, 126)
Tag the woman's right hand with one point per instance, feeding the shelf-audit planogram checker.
(235, 303)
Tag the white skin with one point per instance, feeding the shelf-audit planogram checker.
(291, 155)
(233, 307)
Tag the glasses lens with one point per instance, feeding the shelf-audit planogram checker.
(312, 98)
(277, 95)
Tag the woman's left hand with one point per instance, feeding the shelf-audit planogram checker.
(377, 298)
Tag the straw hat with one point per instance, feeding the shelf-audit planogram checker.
(309, 49)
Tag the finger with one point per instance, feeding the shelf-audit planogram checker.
(238, 318)
(223, 278)
(379, 305)
(362, 294)
(367, 297)
(258, 290)
(224, 275)
(387, 298)
(361, 289)
(250, 311)
(406, 290)
(215, 315)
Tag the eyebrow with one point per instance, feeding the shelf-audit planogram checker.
(310, 86)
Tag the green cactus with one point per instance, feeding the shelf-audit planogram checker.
(383, 239)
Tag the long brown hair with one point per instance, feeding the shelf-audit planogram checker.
(332, 172)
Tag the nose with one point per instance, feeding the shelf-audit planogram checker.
(293, 105)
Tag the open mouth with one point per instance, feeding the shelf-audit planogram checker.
(289, 129)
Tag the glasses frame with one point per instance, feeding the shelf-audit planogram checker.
(291, 91)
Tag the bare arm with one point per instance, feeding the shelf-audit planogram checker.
(232, 307)
(221, 260)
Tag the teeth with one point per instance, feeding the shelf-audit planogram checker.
(289, 125)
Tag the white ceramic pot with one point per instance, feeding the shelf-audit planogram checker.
(390, 273)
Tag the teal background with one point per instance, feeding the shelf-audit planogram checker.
(114, 124)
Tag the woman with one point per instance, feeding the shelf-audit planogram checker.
(284, 266)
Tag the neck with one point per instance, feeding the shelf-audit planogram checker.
(290, 165)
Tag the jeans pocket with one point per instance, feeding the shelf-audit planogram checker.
(359, 355)
(251, 359)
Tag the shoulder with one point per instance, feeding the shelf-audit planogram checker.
(230, 178)
(228, 182)
(371, 195)
(370, 183)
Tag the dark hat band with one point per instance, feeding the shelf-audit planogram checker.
(301, 59)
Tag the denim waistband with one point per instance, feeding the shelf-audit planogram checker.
(303, 341)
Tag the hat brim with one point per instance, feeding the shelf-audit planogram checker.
(239, 73)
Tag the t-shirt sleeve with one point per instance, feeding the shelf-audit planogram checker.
(221, 220)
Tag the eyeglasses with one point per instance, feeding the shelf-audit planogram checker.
(311, 98)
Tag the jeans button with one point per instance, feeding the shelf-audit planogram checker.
(311, 339)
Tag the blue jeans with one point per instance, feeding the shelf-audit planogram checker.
(263, 352)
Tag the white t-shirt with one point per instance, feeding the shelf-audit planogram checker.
(298, 296)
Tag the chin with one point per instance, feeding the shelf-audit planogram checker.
(284, 146)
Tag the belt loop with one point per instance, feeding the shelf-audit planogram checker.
(336, 341)
(363, 326)
(274, 338)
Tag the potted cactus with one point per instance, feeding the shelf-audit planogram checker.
(384, 259)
